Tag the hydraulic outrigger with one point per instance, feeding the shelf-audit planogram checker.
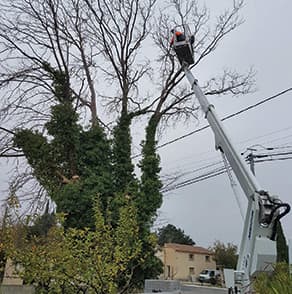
(258, 244)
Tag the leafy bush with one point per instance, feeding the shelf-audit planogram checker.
(280, 282)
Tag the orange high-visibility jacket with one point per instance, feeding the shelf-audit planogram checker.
(179, 35)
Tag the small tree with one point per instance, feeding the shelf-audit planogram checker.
(282, 248)
(81, 260)
(225, 255)
(171, 234)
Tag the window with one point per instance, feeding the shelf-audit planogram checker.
(168, 271)
(191, 256)
(192, 270)
(207, 258)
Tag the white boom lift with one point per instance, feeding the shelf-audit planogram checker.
(258, 244)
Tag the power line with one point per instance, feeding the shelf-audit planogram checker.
(268, 134)
(200, 168)
(272, 154)
(275, 151)
(223, 119)
(194, 180)
(222, 170)
(285, 146)
(272, 159)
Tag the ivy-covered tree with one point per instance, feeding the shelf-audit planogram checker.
(123, 168)
(76, 76)
(151, 197)
(72, 164)
(172, 234)
(93, 58)
(86, 165)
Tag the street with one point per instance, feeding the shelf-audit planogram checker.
(192, 289)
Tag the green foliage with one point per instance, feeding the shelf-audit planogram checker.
(151, 198)
(123, 169)
(171, 234)
(2, 255)
(148, 200)
(79, 260)
(279, 282)
(74, 165)
(145, 193)
(60, 83)
(65, 131)
(42, 225)
(225, 255)
(40, 156)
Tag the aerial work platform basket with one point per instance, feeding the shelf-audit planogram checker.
(182, 43)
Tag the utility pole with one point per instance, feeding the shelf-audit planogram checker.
(250, 157)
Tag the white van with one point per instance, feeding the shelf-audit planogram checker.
(209, 276)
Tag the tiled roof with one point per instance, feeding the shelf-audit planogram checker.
(188, 248)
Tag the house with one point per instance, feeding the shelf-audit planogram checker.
(185, 262)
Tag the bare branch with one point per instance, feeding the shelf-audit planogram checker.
(231, 82)
(106, 49)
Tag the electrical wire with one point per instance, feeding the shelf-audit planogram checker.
(216, 172)
(286, 146)
(272, 159)
(196, 179)
(201, 168)
(233, 184)
(272, 154)
(215, 163)
(266, 135)
(223, 119)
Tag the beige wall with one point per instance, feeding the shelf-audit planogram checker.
(10, 275)
(182, 265)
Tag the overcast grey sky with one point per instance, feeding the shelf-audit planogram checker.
(207, 211)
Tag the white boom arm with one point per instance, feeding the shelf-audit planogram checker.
(258, 246)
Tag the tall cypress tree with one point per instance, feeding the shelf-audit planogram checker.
(148, 201)
(123, 168)
(282, 248)
(151, 197)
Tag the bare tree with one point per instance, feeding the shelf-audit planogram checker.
(102, 47)
(179, 103)
(37, 36)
